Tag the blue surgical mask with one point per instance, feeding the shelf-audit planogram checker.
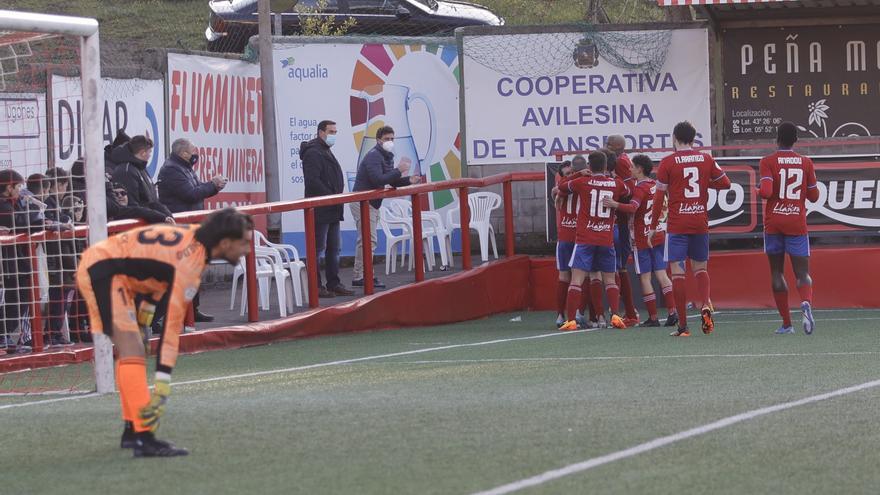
(331, 139)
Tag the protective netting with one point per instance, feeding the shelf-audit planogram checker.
(549, 54)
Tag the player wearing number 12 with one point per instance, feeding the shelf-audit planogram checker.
(686, 176)
(129, 278)
(594, 241)
(787, 181)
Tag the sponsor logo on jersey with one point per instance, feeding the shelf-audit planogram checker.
(598, 226)
(787, 209)
(691, 209)
(569, 223)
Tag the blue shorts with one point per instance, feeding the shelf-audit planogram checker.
(649, 260)
(590, 258)
(795, 245)
(680, 247)
(564, 251)
(622, 246)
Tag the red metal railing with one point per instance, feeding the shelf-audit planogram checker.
(307, 206)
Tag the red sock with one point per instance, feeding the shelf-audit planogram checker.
(613, 293)
(806, 292)
(586, 304)
(571, 303)
(679, 288)
(669, 299)
(651, 303)
(702, 277)
(627, 293)
(596, 297)
(782, 305)
(561, 294)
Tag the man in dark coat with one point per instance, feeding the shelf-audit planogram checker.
(323, 177)
(179, 186)
(181, 190)
(131, 173)
(376, 171)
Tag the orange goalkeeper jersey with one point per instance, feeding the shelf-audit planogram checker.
(161, 262)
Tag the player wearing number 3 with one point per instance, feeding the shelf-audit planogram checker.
(129, 278)
(787, 181)
(686, 177)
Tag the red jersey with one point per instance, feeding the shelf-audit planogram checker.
(567, 215)
(623, 171)
(595, 224)
(643, 197)
(686, 176)
(792, 177)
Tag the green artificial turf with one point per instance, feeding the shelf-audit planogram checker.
(465, 419)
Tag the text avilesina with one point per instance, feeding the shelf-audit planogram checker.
(583, 84)
(313, 72)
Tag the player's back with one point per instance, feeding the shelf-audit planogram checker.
(643, 192)
(595, 224)
(791, 174)
(150, 257)
(567, 215)
(687, 175)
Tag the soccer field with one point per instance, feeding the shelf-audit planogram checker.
(489, 404)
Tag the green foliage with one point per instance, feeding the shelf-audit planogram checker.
(312, 23)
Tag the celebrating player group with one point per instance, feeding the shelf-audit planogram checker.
(608, 207)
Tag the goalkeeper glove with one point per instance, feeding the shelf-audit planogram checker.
(151, 413)
(145, 315)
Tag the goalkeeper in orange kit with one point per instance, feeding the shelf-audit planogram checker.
(128, 279)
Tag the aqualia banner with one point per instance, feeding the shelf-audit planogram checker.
(134, 106)
(361, 87)
(578, 89)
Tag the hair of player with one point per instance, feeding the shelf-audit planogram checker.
(563, 166)
(322, 125)
(786, 134)
(598, 161)
(227, 223)
(36, 182)
(56, 177)
(383, 131)
(644, 163)
(140, 143)
(9, 177)
(684, 132)
(578, 163)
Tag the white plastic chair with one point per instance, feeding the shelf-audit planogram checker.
(481, 205)
(270, 266)
(391, 219)
(432, 226)
(290, 260)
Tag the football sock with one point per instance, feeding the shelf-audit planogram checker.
(627, 293)
(126, 413)
(561, 295)
(702, 277)
(651, 303)
(679, 288)
(782, 305)
(613, 293)
(571, 304)
(806, 292)
(586, 304)
(133, 386)
(669, 299)
(596, 297)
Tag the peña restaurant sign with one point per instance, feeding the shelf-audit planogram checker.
(825, 79)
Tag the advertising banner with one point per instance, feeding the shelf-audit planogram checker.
(825, 79)
(217, 104)
(135, 106)
(23, 132)
(362, 87)
(523, 119)
(849, 198)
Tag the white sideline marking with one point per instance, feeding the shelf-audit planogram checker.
(667, 440)
(323, 365)
(611, 358)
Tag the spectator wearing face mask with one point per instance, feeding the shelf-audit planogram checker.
(181, 190)
(131, 173)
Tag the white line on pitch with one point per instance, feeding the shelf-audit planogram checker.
(325, 364)
(612, 358)
(667, 440)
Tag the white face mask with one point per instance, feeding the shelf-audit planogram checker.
(388, 146)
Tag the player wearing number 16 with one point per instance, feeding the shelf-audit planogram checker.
(686, 177)
(138, 275)
(788, 180)
(594, 239)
